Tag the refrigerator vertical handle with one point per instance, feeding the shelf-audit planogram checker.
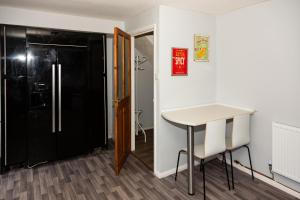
(5, 96)
(0, 103)
(53, 98)
(59, 97)
(104, 53)
(105, 109)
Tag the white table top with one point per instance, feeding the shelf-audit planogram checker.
(199, 115)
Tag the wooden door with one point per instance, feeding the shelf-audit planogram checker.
(122, 97)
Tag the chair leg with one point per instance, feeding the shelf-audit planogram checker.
(250, 161)
(201, 162)
(178, 163)
(224, 159)
(232, 179)
(203, 169)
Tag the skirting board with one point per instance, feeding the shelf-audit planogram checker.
(173, 170)
(148, 128)
(267, 180)
(241, 168)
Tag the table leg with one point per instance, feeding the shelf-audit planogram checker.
(190, 159)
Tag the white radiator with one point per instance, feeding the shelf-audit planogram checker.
(286, 151)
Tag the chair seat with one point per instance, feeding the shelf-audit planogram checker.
(198, 151)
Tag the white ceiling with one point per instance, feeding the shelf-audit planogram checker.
(214, 7)
(123, 9)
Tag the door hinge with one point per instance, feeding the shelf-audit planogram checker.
(116, 101)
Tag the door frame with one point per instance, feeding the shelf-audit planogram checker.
(141, 31)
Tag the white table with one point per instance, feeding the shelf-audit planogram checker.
(196, 116)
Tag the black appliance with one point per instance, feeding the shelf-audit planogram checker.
(53, 94)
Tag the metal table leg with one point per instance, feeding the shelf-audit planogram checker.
(190, 159)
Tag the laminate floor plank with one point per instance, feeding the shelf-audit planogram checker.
(92, 177)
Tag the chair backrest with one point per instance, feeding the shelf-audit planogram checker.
(214, 141)
(240, 131)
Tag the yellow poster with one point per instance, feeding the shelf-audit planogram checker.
(201, 48)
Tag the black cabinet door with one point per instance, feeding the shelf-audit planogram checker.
(53, 92)
(14, 107)
(97, 92)
(41, 69)
(72, 137)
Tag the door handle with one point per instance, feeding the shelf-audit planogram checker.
(59, 97)
(53, 98)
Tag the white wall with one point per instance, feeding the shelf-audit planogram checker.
(177, 29)
(26, 17)
(144, 83)
(142, 20)
(258, 66)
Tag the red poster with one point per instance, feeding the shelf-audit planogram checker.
(179, 61)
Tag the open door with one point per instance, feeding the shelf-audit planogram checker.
(122, 97)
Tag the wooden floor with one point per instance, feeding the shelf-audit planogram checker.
(92, 177)
(144, 151)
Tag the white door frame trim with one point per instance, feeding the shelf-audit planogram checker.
(147, 29)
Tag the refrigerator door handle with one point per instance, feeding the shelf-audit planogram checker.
(53, 98)
(59, 97)
(104, 54)
(105, 110)
(5, 95)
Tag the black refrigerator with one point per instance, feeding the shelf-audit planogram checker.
(53, 94)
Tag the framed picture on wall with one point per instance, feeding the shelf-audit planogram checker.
(201, 50)
(179, 61)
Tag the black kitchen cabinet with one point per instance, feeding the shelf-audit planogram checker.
(13, 95)
(53, 94)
